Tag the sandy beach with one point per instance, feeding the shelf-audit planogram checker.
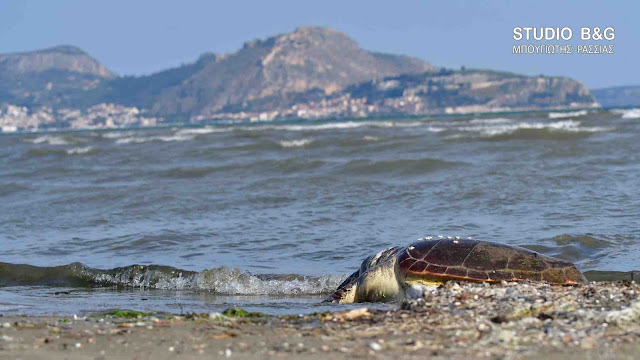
(599, 320)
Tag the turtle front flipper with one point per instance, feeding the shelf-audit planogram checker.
(345, 293)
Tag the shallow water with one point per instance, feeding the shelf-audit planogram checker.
(309, 199)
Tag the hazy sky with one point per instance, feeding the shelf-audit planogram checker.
(140, 37)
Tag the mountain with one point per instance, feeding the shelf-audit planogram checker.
(312, 72)
(433, 92)
(310, 58)
(618, 96)
(50, 77)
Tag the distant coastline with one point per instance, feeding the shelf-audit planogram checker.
(164, 125)
(311, 73)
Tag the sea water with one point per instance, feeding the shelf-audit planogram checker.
(273, 216)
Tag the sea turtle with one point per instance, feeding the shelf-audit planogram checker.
(398, 272)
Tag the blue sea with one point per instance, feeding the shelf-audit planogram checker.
(273, 216)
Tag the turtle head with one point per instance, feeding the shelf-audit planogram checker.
(374, 279)
(345, 293)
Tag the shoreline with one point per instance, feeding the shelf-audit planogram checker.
(508, 320)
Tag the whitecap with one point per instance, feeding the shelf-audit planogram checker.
(49, 139)
(79, 150)
(295, 143)
(627, 113)
(567, 114)
(315, 127)
(116, 134)
(145, 139)
(201, 131)
(500, 129)
(491, 121)
(338, 125)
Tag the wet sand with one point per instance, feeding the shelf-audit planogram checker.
(455, 321)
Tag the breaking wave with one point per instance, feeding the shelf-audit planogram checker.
(80, 150)
(567, 114)
(295, 143)
(221, 280)
(49, 139)
(492, 128)
(116, 134)
(146, 139)
(627, 113)
(491, 121)
(338, 125)
(201, 131)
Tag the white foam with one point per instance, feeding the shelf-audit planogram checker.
(49, 139)
(338, 125)
(224, 280)
(627, 113)
(79, 150)
(295, 143)
(315, 127)
(191, 133)
(236, 282)
(568, 114)
(371, 138)
(491, 121)
(201, 131)
(500, 129)
(116, 134)
(145, 139)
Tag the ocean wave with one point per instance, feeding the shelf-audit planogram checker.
(338, 125)
(201, 130)
(46, 152)
(146, 139)
(370, 138)
(49, 139)
(11, 307)
(572, 247)
(186, 134)
(491, 121)
(295, 143)
(566, 126)
(12, 188)
(80, 150)
(567, 114)
(189, 173)
(399, 166)
(627, 113)
(220, 280)
(116, 134)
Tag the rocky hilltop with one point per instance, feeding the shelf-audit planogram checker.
(312, 72)
(308, 59)
(60, 58)
(52, 77)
